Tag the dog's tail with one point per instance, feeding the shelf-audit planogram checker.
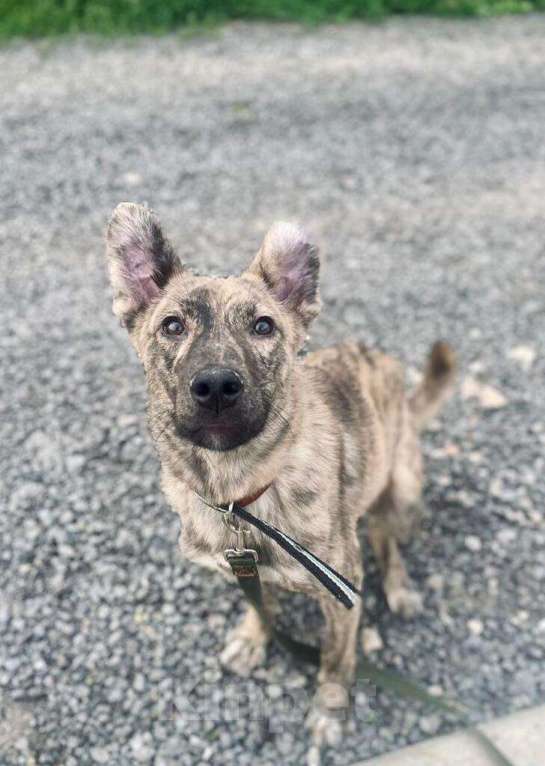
(436, 385)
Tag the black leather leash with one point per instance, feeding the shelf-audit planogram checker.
(243, 562)
(343, 590)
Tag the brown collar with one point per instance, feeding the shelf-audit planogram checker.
(249, 499)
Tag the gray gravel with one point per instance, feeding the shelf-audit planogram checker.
(415, 151)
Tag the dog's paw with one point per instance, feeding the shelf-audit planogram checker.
(325, 731)
(404, 600)
(325, 720)
(243, 653)
(314, 756)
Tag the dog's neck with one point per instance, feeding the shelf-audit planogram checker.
(249, 499)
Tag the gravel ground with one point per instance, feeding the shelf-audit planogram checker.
(415, 152)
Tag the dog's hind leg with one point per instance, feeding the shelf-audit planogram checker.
(389, 521)
(392, 517)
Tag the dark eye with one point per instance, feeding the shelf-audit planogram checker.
(172, 326)
(263, 326)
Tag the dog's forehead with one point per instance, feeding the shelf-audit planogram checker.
(216, 294)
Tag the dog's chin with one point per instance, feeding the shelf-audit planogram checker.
(219, 435)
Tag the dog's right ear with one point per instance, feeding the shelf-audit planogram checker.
(140, 260)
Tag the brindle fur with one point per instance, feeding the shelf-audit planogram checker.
(335, 435)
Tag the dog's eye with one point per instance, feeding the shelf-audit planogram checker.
(263, 326)
(172, 326)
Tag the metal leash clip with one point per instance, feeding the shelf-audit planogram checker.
(236, 526)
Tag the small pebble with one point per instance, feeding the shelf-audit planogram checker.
(489, 398)
(436, 582)
(142, 747)
(525, 356)
(430, 724)
(475, 627)
(371, 640)
(473, 543)
(100, 755)
(506, 536)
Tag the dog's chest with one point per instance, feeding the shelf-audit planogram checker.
(205, 538)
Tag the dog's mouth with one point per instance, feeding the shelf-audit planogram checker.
(219, 433)
(218, 428)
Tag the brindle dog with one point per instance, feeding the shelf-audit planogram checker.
(233, 409)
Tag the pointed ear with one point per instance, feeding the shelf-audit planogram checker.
(140, 260)
(289, 265)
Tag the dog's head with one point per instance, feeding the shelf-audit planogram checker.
(218, 352)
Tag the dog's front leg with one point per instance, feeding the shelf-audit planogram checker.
(246, 644)
(336, 675)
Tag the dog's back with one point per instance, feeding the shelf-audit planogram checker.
(367, 391)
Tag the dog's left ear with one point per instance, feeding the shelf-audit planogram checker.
(289, 265)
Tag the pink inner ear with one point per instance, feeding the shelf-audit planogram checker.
(296, 281)
(138, 272)
(285, 287)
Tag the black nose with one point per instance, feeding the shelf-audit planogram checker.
(216, 388)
